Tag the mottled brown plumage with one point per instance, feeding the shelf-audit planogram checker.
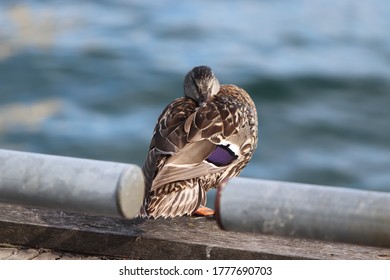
(199, 140)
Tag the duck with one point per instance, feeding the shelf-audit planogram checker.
(200, 140)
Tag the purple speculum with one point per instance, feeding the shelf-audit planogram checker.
(221, 156)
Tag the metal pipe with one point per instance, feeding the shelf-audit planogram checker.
(302, 210)
(71, 184)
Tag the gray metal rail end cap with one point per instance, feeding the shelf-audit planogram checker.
(130, 191)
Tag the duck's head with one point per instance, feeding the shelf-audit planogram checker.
(200, 84)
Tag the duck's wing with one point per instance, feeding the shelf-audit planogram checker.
(168, 137)
(196, 146)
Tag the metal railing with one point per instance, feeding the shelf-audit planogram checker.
(71, 184)
(252, 205)
(302, 210)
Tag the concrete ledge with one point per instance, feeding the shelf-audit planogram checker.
(179, 238)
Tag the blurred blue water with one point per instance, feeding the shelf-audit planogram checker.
(89, 79)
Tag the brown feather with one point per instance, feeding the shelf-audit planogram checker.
(177, 175)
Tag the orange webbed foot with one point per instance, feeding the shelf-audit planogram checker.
(204, 211)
